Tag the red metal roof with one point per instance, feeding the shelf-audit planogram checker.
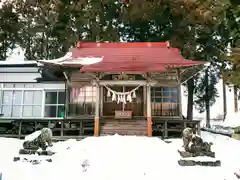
(131, 57)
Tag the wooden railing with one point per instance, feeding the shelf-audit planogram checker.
(76, 127)
(166, 127)
(69, 127)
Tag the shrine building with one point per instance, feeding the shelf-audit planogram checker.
(131, 89)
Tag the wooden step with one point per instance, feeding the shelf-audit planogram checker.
(124, 122)
(136, 133)
(104, 129)
(123, 127)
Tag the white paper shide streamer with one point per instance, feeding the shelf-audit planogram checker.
(123, 97)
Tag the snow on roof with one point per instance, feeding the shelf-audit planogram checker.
(17, 62)
(119, 157)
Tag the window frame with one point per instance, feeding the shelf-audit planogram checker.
(172, 99)
(162, 96)
(71, 103)
(14, 89)
(56, 104)
(39, 87)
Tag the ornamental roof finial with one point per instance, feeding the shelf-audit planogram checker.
(168, 44)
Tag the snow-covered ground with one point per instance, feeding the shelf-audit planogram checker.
(224, 126)
(232, 120)
(117, 158)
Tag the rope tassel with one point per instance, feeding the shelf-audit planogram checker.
(134, 94)
(129, 98)
(114, 98)
(121, 96)
(108, 94)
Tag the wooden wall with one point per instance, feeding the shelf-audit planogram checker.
(107, 107)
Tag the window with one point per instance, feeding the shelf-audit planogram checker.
(11, 103)
(156, 94)
(32, 103)
(82, 101)
(54, 104)
(163, 94)
(20, 100)
(164, 101)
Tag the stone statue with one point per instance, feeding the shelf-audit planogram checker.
(195, 145)
(187, 135)
(39, 139)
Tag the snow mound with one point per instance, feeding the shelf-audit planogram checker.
(231, 120)
(32, 136)
(121, 157)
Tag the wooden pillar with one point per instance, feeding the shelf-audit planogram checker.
(149, 116)
(35, 125)
(20, 129)
(165, 135)
(96, 119)
(179, 93)
(61, 131)
(144, 101)
(81, 128)
(49, 124)
(101, 100)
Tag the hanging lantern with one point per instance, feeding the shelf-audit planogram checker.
(108, 94)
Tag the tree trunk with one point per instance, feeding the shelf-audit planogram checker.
(207, 106)
(224, 100)
(190, 87)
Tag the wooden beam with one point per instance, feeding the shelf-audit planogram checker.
(125, 82)
(191, 72)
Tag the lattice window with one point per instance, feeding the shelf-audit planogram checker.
(54, 104)
(20, 100)
(165, 101)
(82, 101)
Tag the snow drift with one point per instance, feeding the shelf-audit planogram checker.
(119, 157)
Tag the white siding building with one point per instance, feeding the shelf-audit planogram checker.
(22, 96)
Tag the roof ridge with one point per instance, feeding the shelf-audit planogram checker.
(122, 44)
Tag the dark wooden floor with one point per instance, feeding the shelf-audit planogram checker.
(78, 128)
